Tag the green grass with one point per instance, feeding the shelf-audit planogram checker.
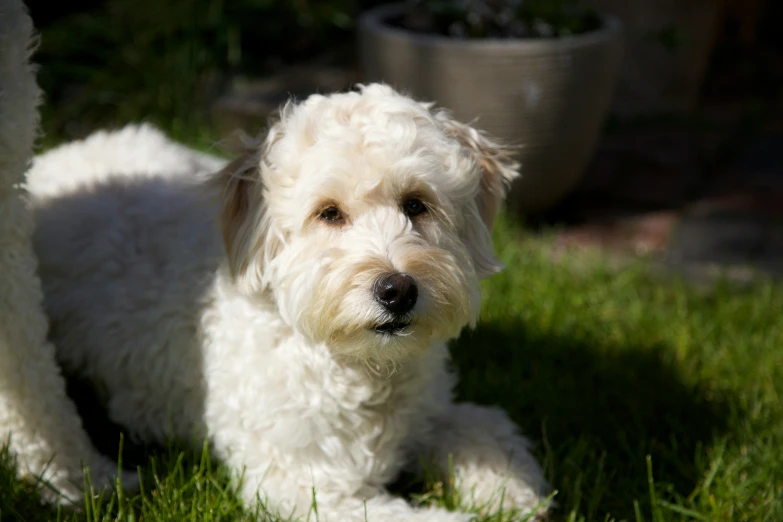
(648, 400)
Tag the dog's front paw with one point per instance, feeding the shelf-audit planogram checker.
(67, 486)
(129, 481)
(103, 475)
(490, 492)
(516, 495)
(491, 463)
(441, 515)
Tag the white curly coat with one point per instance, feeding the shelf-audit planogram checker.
(227, 306)
(36, 417)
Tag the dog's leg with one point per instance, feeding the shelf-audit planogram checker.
(490, 461)
(325, 504)
(36, 416)
(386, 508)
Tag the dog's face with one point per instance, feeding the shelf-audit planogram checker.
(367, 216)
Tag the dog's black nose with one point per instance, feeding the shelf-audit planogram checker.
(397, 293)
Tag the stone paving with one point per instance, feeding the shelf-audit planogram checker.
(680, 207)
(699, 191)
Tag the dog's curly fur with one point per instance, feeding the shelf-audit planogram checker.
(241, 306)
(36, 417)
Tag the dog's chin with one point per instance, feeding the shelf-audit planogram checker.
(384, 344)
(396, 327)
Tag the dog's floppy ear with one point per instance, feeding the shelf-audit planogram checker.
(496, 163)
(497, 168)
(249, 236)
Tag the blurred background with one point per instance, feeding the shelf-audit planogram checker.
(685, 162)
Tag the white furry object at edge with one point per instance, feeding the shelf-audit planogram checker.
(36, 417)
(245, 305)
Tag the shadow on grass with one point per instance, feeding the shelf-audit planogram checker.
(596, 411)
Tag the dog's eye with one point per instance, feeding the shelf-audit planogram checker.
(414, 207)
(332, 215)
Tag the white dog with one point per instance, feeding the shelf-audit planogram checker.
(36, 417)
(305, 334)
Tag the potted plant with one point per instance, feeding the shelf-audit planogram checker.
(533, 73)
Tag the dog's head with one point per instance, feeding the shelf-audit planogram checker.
(368, 217)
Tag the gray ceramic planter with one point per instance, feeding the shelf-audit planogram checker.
(549, 97)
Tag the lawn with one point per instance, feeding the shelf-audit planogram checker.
(648, 399)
